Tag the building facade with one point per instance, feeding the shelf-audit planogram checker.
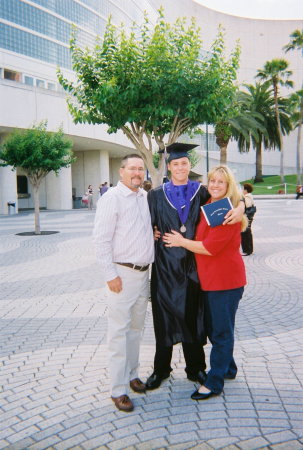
(34, 40)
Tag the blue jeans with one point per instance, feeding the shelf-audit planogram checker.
(220, 313)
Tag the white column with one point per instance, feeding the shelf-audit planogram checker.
(8, 190)
(104, 166)
(59, 189)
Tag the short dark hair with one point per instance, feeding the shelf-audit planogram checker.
(248, 187)
(127, 157)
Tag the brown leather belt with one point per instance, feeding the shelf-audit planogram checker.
(134, 266)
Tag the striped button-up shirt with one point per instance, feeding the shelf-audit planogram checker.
(122, 229)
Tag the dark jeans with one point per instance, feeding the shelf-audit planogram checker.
(193, 354)
(220, 313)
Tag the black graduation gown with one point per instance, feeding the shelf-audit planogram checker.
(177, 302)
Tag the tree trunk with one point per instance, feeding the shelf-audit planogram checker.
(157, 175)
(136, 135)
(280, 136)
(299, 159)
(223, 154)
(222, 142)
(259, 176)
(281, 159)
(37, 209)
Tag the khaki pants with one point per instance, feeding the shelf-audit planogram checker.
(126, 316)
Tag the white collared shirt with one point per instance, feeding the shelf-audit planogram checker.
(122, 229)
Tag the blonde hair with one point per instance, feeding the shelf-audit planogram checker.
(233, 191)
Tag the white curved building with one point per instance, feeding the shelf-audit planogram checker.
(34, 39)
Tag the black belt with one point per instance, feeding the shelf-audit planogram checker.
(133, 266)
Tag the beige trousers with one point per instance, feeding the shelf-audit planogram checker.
(126, 316)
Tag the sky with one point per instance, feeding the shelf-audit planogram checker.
(258, 9)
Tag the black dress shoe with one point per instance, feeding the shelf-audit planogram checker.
(201, 396)
(200, 376)
(154, 381)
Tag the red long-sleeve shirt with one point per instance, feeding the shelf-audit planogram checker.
(225, 268)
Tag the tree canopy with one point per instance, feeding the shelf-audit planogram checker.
(37, 151)
(154, 83)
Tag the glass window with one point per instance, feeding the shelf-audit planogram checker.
(51, 86)
(11, 75)
(40, 83)
(28, 80)
(20, 41)
(22, 184)
(75, 12)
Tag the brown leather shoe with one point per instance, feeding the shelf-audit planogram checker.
(123, 403)
(137, 386)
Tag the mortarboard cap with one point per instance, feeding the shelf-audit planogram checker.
(178, 150)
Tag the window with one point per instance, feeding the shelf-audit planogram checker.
(22, 184)
(40, 83)
(51, 86)
(11, 75)
(28, 80)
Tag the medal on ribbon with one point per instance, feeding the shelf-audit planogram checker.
(180, 197)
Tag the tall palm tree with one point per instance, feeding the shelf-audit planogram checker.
(236, 122)
(296, 103)
(258, 101)
(296, 43)
(276, 72)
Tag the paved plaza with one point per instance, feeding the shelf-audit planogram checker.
(53, 366)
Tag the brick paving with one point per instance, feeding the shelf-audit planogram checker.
(54, 379)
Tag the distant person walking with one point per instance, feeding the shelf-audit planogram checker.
(90, 193)
(299, 191)
(104, 188)
(246, 235)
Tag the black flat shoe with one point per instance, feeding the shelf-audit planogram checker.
(154, 381)
(200, 376)
(200, 396)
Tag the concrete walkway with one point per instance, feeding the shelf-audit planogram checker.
(53, 377)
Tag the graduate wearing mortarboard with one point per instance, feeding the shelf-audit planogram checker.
(177, 301)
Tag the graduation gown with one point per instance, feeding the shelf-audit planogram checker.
(177, 302)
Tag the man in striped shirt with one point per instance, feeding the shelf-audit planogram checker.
(124, 243)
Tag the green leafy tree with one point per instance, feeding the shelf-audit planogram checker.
(38, 152)
(276, 72)
(258, 101)
(296, 43)
(154, 83)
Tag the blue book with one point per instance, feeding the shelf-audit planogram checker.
(215, 212)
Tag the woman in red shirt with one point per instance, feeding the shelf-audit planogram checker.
(222, 277)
